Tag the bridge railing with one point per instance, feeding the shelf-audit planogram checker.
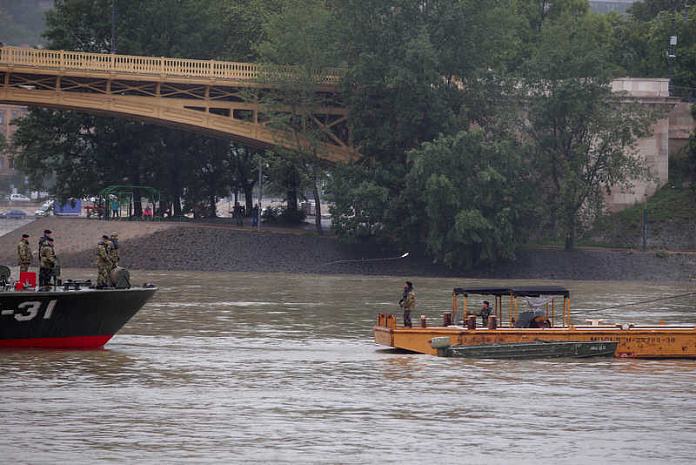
(61, 59)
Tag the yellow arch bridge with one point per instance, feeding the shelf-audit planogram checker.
(201, 95)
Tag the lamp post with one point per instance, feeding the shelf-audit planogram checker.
(260, 209)
(671, 56)
(671, 53)
(645, 221)
(113, 27)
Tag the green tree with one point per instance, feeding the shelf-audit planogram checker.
(244, 171)
(299, 35)
(244, 23)
(172, 28)
(394, 82)
(415, 70)
(642, 41)
(359, 204)
(111, 150)
(471, 197)
(647, 10)
(583, 135)
(211, 174)
(631, 49)
(21, 23)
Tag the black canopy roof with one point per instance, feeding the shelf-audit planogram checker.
(521, 291)
(536, 291)
(465, 291)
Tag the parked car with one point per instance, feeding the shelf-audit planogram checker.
(46, 209)
(19, 198)
(14, 215)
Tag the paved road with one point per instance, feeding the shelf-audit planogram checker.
(7, 226)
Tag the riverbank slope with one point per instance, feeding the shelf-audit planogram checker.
(219, 247)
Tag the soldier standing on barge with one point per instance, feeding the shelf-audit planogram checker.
(24, 254)
(408, 303)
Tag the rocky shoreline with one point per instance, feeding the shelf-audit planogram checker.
(220, 247)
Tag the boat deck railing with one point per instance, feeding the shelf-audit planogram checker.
(388, 320)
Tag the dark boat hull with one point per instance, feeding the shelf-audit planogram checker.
(82, 319)
(532, 350)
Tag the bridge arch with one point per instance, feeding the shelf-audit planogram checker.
(206, 96)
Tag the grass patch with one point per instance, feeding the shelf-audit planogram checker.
(668, 210)
(667, 205)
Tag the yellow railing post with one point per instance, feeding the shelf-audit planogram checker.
(568, 311)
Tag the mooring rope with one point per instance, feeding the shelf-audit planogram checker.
(362, 260)
(613, 307)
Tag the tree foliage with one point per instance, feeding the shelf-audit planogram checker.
(21, 23)
(359, 204)
(471, 197)
(298, 35)
(470, 116)
(583, 135)
(86, 153)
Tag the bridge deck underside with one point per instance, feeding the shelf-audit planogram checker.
(241, 111)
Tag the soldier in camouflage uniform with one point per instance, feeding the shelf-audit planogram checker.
(24, 254)
(113, 256)
(103, 262)
(47, 256)
(408, 303)
(113, 250)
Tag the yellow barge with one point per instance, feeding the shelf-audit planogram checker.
(544, 322)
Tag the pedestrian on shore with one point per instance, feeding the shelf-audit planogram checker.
(114, 208)
(408, 303)
(103, 262)
(24, 254)
(255, 215)
(238, 214)
(147, 213)
(47, 263)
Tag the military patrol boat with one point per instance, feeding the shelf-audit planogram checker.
(542, 323)
(72, 315)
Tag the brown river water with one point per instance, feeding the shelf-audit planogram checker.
(252, 368)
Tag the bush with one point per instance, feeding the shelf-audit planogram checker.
(273, 215)
(288, 216)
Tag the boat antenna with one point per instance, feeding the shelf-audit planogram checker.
(361, 260)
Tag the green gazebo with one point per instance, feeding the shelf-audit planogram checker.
(115, 200)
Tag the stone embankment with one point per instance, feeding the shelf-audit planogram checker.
(221, 247)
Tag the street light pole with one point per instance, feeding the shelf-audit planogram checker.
(645, 221)
(113, 27)
(671, 53)
(671, 56)
(258, 214)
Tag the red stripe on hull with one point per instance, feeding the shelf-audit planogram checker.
(75, 342)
